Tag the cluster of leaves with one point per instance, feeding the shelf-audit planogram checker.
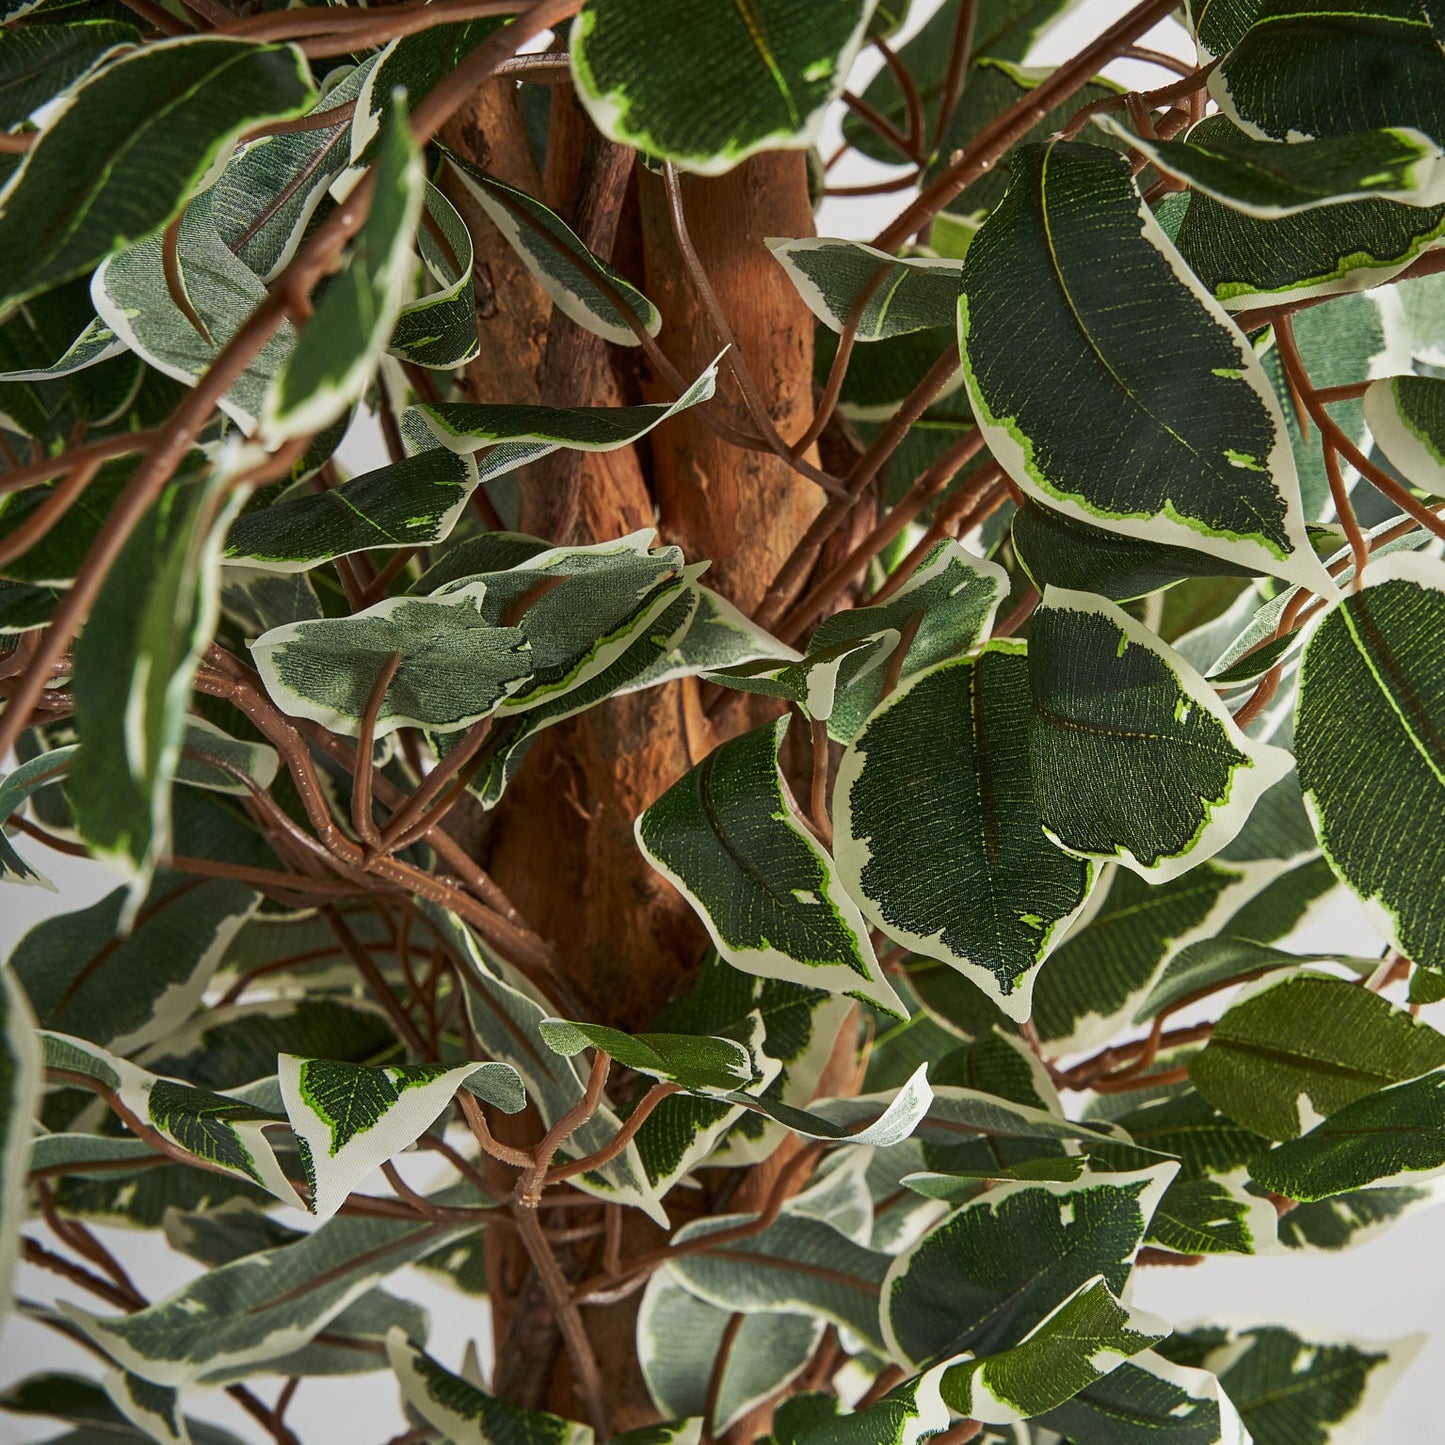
(1141, 663)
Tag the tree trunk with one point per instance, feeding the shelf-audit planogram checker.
(564, 830)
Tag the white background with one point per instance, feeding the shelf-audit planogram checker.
(1389, 1287)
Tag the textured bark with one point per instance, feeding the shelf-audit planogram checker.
(742, 509)
(561, 842)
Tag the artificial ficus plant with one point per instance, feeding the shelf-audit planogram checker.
(700, 845)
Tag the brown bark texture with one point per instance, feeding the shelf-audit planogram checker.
(561, 842)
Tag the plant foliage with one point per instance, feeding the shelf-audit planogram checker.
(675, 772)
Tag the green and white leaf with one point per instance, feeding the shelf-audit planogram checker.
(1186, 442)
(678, 1345)
(953, 595)
(15, 787)
(411, 503)
(891, 1117)
(1149, 1400)
(1288, 1385)
(466, 1415)
(1314, 71)
(1297, 1048)
(810, 682)
(1269, 179)
(1076, 1344)
(727, 836)
(328, 369)
(439, 328)
(260, 1307)
(1372, 669)
(962, 872)
(915, 293)
(350, 1119)
(697, 1063)
(155, 1410)
(798, 1265)
(1406, 416)
(1213, 1216)
(1244, 261)
(466, 428)
(21, 1080)
(211, 759)
(456, 667)
(582, 287)
(134, 662)
(134, 301)
(1094, 983)
(1343, 1221)
(1112, 702)
(773, 69)
(274, 185)
(223, 1132)
(982, 1278)
(1397, 1134)
(130, 145)
(39, 62)
(86, 976)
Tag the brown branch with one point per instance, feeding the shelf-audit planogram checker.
(620, 1140)
(529, 1186)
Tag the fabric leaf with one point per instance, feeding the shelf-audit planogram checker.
(727, 837)
(1185, 442)
(1113, 703)
(963, 872)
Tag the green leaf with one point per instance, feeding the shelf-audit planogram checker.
(350, 1119)
(274, 185)
(798, 1265)
(1291, 1387)
(38, 62)
(85, 976)
(1061, 551)
(772, 70)
(1186, 443)
(136, 139)
(1214, 961)
(1212, 1216)
(155, 1410)
(1094, 982)
(134, 299)
(983, 1278)
(1180, 1122)
(679, 1340)
(439, 329)
(1072, 1347)
(1345, 1220)
(963, 873)
(1113, 703)
(467, 428)
(410, 503)
(56, 1153)
(455, 668)
(153, 617)
(649, 646)
(342, 344)
(1406, 416)
(262, 1306)
(466, 1415)
(728, 838)
(1372, 669)
(21, 1081)
(211, 759)
(582, 287)
(811, 682)
(1150, 1401)
(1294, 1049)
(1313, 71)
(15, 787)
(697, 1063)
(1389, 1135)
(890, 1117)
(225, 1131)
(1245, 261)
(86, 1405)
(915, 293)
(948, 604)
(1269, 179)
